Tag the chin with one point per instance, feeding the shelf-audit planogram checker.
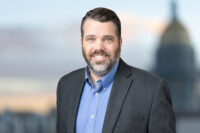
(100, 69)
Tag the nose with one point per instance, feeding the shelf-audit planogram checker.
(99, 45)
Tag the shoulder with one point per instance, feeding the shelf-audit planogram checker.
(144, 80)
(147, 78)
(137, 73)
(143, 74)
(74, 75)
(149, 82)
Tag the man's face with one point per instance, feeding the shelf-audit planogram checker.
(100, 46)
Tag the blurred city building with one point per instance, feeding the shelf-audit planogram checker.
(175, 62)
(27, 122)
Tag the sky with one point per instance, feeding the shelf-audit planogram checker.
(40, 40)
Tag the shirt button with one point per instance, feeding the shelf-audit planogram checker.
(96, 94)
(104, 88)
(92, 116)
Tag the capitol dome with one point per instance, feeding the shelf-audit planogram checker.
(175, 33)
(175, 63)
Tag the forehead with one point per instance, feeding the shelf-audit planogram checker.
(95, 27)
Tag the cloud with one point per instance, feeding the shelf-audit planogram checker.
(18, 85)
(134, 26)
(33, 102)
(29, 52)
(18, 38)
(27, 94)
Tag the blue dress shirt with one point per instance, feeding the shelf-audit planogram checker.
(93, 103)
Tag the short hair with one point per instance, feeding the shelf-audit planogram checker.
(103, 15)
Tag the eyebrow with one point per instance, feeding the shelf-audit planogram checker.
(89, 36)
(92, 35)
(109, 36)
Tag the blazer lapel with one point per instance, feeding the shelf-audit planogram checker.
(119, 90)
(75, 95)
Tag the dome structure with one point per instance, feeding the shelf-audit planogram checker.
(175, 63)
(175, 33)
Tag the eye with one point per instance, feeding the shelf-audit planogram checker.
(108, 39)
(90, 39)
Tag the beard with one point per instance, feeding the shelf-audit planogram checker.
(101, 67)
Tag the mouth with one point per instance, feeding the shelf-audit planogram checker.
(99, 57)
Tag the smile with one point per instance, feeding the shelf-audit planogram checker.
(99, 57)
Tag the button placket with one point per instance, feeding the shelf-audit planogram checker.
(92, 111)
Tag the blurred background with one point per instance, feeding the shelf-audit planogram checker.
(40, 42)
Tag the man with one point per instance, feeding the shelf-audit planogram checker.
(109, 96)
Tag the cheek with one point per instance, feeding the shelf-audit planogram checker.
(112, 49)
(86, 49)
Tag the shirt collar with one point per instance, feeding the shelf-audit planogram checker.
(106, 79)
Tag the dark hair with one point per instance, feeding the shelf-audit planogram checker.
(103, 15)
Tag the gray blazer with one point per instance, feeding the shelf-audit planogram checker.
(139, 102)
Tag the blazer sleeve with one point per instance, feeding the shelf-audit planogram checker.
(162, 116)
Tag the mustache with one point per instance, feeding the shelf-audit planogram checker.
(99, 52)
